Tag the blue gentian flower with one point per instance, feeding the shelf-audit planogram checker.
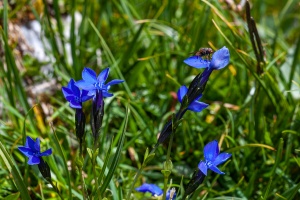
(195, 106)
(213, 158)
(33, 152)
(96, 87)
(74, 95)
(219, 60)
(154, 190)
(92, 83)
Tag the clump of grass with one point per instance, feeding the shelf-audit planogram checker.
(253, 113)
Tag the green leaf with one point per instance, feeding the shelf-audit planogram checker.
(62, 155)
(116, 156)
(14, 196)
(12, 168)
(90, 152)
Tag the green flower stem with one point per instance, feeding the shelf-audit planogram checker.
(95, 175)
(82, 183)
(166, 177)
(175, 121)
(170, 146)
(56, 189)
(134, 180)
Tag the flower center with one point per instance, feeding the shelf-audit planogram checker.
(208, 164)
(77, 99)
(99, 85)
(37, 154)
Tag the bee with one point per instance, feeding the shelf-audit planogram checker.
(204, 52)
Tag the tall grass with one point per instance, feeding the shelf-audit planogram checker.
(253, 115)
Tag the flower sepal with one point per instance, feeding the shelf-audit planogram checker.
(197, 178)
(45, 170)
(148, 157)
(80, 126)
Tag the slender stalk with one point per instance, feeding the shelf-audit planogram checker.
(177, 117)
(134, 180)
(170, 146)
(82, 183)
(94, 162)
(166, 177)
(56, 190)
(95, 174)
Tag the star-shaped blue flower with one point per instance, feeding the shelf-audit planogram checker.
(154, 190)
(74, 95)
(213, 158)
(196, 105)
(33, 151)
(92, 83)
(219, 60)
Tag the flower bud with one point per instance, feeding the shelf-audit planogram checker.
(168, 165)
(80, 126)
(97, 114)
(44, 169)
(196, 180)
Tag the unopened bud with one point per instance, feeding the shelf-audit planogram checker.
(168, 165)
(44, 169)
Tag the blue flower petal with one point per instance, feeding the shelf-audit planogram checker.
(211, 150)
(92, 93)
(197, 62)
(26, 151)
(37, 145)
(33, 160)
(196, 99)
(216, 169)
(74, 88)
(89, 75)
(67, 92)
(202, 167)
(152, 188)
(75, 104)
(103, 75)
(46, 153)
(222, 157)
(197, 106)
(107, 94)
(85, 85)
(85, 96)
(220, 58)
(71, 98)
(30, 143)
(114, 82)
(181, 92)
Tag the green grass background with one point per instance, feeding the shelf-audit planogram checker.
(253, 116)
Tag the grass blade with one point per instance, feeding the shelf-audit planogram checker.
(117, 156)
(12, 168)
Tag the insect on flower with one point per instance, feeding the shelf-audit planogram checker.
(204, 52)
